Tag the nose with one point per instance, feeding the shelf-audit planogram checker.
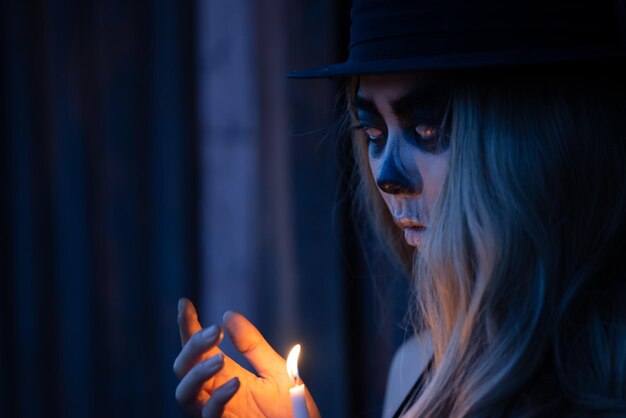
(393, 178)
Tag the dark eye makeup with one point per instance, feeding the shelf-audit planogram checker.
(427, 135)
(373, 134)
(423, 118)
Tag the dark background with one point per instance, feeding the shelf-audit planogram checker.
(152, 150)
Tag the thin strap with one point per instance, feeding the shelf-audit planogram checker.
(415, 390)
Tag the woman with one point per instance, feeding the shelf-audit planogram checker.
(520, 281)
(507, 173)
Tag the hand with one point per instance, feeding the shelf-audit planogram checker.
(213, 385)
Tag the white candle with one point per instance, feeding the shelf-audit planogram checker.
(296, 393)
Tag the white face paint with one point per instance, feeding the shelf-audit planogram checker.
(401, 116)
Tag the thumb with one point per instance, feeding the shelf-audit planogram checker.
(249, 341)
(187, 320)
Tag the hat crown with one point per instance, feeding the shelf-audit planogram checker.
(409, 35)
(400, 29)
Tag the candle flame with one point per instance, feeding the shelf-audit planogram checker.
(292, 363)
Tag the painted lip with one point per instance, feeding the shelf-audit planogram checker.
(408, 223)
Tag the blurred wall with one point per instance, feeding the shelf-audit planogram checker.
(152, 150)
(270, 181)
(99, 152)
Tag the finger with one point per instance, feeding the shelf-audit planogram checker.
(249, 341)
(200, 346)
(189, 391)
(188, 323)
(215, 405)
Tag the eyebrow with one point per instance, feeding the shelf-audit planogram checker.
(361, 103)
(423, 95)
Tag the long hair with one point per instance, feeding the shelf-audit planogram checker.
(520, 278)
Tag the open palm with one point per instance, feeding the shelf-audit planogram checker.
(214, 385)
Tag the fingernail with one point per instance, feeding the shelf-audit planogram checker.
(227, 316)
(210, 333)
(214, 361)
(181, 305)
(232, 384)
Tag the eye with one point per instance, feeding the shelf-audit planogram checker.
(374, 134)
(426, 131)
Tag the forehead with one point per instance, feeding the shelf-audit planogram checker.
(401, 94)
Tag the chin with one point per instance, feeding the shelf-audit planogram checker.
(413, 236)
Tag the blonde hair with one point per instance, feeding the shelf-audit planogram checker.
(520, 280)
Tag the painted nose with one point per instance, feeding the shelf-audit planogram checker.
(393, 179)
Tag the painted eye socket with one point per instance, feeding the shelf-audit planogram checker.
(371, 132)
(426, 131)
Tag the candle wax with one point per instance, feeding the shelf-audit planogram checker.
(298, 402)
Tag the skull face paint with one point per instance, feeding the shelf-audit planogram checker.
(402, 117)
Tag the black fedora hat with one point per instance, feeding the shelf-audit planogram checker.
(404, 35)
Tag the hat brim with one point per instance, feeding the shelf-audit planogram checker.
(457, 61)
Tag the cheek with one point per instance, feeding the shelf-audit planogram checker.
(434, 174)
(374, 164)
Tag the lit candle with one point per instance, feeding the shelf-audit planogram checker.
(298, 398)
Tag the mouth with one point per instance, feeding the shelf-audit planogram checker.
(408, 223)
(413, 230)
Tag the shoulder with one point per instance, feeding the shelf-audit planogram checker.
(407, 365)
